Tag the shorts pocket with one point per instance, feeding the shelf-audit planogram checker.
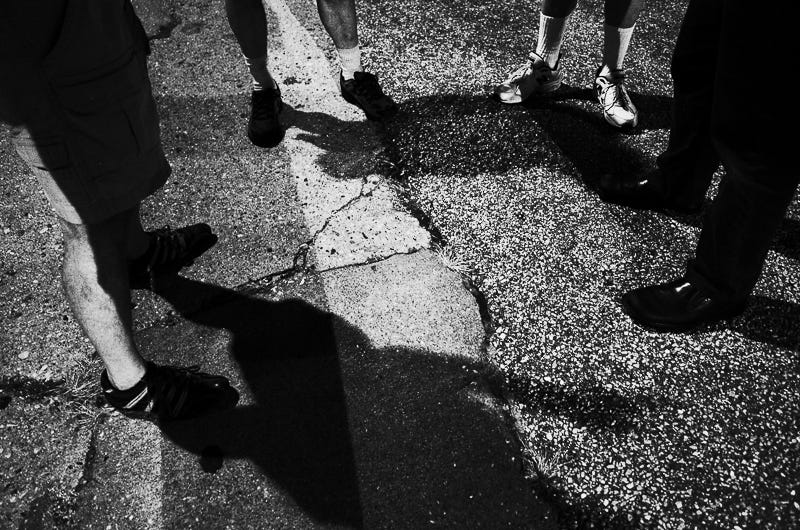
(111, 119)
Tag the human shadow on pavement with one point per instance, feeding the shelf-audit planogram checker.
(590, 404)
(475, 134)
(357, 436)
(654, 110)
(296, 428)
(350, 149)
(786, 242)
(771, 321)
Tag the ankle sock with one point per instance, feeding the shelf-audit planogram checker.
(134, 398)
(350, 59)
(615, 45)
(551, 35)
(262, 79)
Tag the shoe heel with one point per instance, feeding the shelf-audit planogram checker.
(350, 99)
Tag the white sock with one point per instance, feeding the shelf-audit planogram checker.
(350, 58)
(551, 33)
(261, 76)
(615, 45)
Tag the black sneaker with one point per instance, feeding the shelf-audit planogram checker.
(264, 129)
(167, 393)
(169, 251)
(364, 92)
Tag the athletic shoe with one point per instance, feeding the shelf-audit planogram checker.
(532, 77)
(264, 129)
(169, 252)
(167, 393)
(364, 92)
(618, 109)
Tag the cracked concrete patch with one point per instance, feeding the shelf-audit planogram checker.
(42, 452)
(333, 153)
(367, 229)
(434, 309)
(117, 492)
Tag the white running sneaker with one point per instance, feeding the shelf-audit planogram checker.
(618, 109)
(532, 77)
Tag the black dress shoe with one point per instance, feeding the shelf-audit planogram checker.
(676, 306)
(643, 193)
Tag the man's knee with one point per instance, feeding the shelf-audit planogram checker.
(109, 233)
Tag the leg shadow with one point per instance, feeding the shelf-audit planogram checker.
(295, 428)
(771, 322)
(357, 436)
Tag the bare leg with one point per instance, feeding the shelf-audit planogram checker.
(95, 279)
(622, 13)
(249, 24)
(620, 17)
(558, 8)
(339, 19)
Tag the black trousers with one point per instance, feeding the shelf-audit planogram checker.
(731, 98)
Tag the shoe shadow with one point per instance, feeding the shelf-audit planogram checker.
(356, 436)
(593, 146)
(654, 110)
(772, 322)
(477, 134)
(350, 149)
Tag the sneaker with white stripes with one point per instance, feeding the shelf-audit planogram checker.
(533, 77)
(617, 107)
(167, 393)
(169, 251)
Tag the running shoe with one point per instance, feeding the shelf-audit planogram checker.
(533, 77)
(168, 393)
(618, 109)
(169, 252)
(364, 92)
(264, 128)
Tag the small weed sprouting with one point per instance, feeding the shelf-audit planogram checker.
(546, 465)
(452, 261)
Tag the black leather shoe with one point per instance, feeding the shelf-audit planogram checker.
(676, 306)
(644, 193)
(264, 128)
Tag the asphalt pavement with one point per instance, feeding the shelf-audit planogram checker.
(423, 317)
(357, 349)
(630, 429)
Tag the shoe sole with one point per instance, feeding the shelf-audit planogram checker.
(679, 328)
(370, 116)
(268, 140)
(624, 126)
(546, 88)
(229, 401)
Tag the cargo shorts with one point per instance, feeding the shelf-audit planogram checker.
(89, 130)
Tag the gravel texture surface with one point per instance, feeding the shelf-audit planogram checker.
(626, 428)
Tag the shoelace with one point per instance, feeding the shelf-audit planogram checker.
(619, 95)
(171, 387)
(167, 246)
(521, 71)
